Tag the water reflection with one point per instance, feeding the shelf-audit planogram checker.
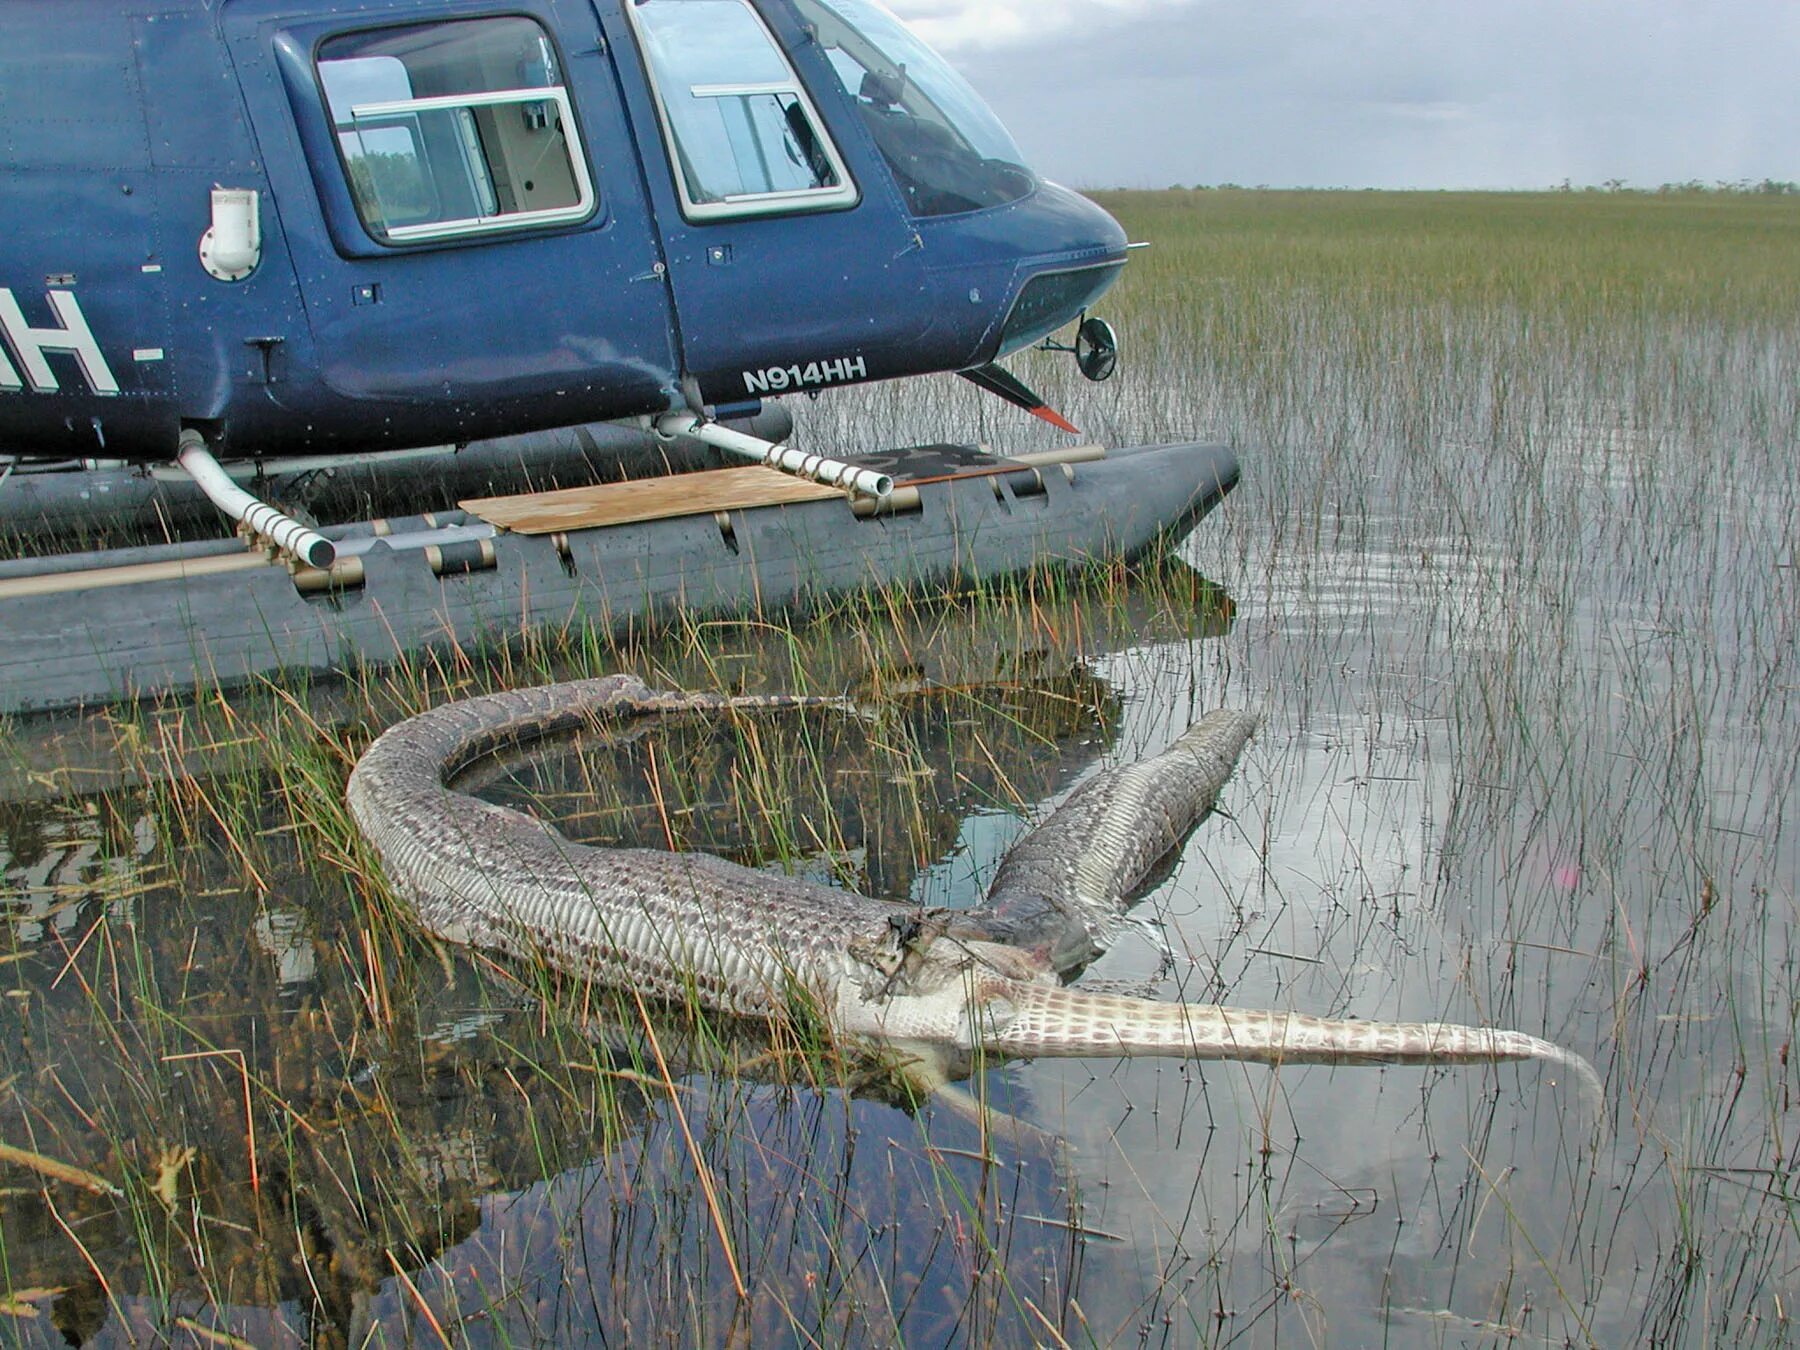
(1529, 759)
(872, 801)
(322, 1129)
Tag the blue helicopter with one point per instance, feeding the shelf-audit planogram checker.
(276, 231)
(300, 227)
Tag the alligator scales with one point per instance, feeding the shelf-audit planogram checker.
(691, 926)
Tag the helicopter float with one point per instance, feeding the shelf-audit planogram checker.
(256, 241)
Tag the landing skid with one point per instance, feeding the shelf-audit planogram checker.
(72, 497)
(97, 628)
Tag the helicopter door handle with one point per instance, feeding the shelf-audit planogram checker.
(656, 273)
(267, 347)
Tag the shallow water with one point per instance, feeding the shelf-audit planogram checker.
(1528, 668)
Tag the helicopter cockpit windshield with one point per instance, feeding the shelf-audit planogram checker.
(942, 142)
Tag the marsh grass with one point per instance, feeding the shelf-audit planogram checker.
(1511, 576)
(286, 1082)
(1509, 573)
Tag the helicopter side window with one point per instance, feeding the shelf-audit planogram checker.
(455, 129)
(742, 134)
(947, 150)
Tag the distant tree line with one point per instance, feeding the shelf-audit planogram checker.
(1768, 187)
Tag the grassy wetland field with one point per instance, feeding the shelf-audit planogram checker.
(1511, 577)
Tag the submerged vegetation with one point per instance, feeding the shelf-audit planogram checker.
(1512, 578)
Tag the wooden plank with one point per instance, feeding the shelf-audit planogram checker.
(686, 494)
(737, 489)
(179, 569)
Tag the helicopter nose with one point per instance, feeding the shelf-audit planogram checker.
(1009, 276)
(1072, 251)
(1063, 225)
(1107, 231)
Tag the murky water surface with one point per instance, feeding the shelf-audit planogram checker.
(1529, 759)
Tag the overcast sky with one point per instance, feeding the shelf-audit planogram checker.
(1384, 93)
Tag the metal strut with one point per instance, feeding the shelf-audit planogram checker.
(833, 472)
(287, 534)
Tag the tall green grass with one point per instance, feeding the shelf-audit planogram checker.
(1512, 577)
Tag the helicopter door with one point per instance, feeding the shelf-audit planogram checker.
(462, 198)
(794, 263)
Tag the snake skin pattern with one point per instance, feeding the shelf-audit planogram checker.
(691, 927)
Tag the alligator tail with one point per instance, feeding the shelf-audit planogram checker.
(1033, 1020)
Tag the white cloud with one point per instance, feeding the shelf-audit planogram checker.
(1384, 93)
(983, 25)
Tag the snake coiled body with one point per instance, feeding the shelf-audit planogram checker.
(690, 927)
